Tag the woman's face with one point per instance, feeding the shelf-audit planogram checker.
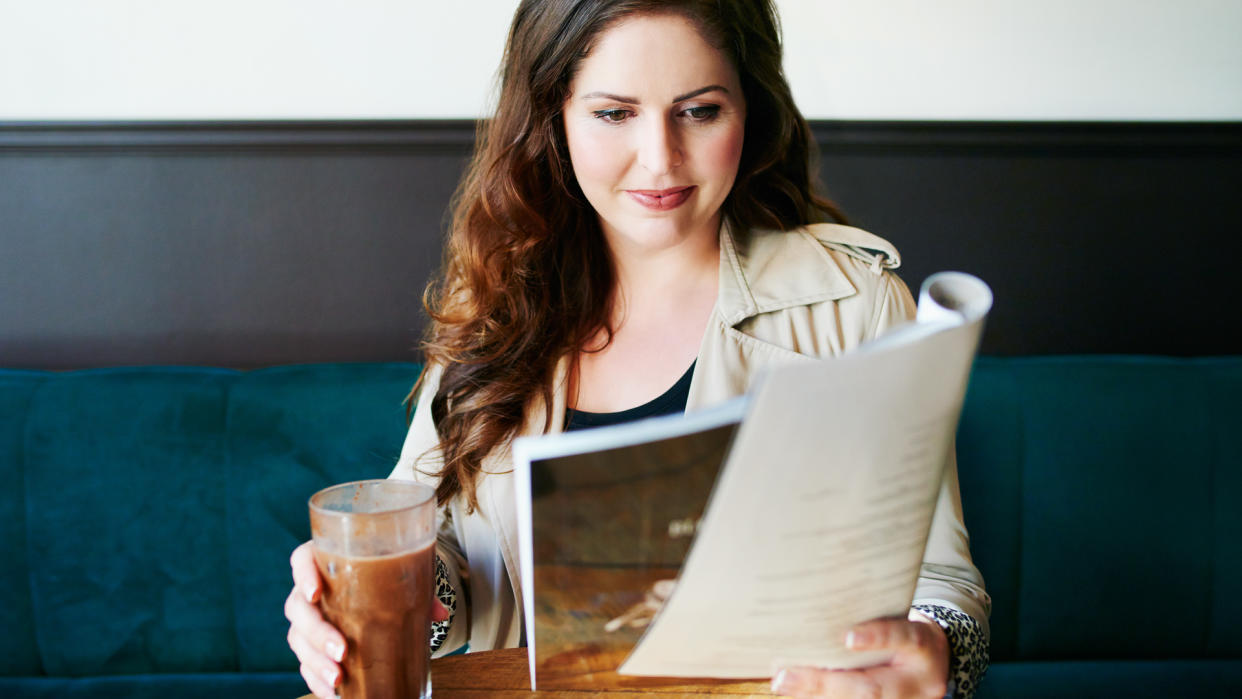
(654, 122)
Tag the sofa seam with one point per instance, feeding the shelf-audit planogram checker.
(227, 459)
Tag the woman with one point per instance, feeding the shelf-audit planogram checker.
(638, 216)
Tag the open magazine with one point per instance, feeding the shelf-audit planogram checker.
(755, 533)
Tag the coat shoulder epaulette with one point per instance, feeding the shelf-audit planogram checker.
(871, 249)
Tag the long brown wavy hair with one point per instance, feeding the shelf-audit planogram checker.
(527, 276)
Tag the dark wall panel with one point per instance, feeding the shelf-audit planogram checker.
(251, 244)
(232, 253)
(1102, 241)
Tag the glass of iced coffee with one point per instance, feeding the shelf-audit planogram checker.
(374, 544)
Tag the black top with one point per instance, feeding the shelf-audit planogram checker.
(671, 401)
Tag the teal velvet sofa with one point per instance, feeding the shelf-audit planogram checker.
(146, 516)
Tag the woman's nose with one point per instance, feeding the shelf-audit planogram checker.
(659, 151)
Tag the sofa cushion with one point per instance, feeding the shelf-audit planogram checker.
(125, 505)
(1096, 490)
(151, 510)
(292, 431)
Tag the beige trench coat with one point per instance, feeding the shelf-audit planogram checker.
(807, 294)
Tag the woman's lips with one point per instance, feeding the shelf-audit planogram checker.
(661, 199)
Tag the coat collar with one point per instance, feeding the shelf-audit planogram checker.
(761, 271)
(765, 270)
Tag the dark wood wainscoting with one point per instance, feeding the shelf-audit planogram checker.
(247, 244)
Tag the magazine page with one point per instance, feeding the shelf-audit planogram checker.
(821, 514)
(606, 517)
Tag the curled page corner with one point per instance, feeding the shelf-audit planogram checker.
(954, 296)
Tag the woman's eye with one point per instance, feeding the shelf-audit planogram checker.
(614, 116)
(703, 113)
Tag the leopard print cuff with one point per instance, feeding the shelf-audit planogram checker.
(968, 649)
(448, 597)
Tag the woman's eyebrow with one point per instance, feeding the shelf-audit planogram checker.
(610, 96)
(634, 100)
(701, 90)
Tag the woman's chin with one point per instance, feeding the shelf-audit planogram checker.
(655, 234)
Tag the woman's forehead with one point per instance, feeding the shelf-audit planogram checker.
(653, 56)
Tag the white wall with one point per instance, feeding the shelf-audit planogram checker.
(863, 59)
(1016, 59)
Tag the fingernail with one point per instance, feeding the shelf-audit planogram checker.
(310, 595)
(789, 681)
(331, 676)
(858, 639)
(335, 651)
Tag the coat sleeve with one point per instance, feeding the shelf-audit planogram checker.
(421, 461)
(950, 589)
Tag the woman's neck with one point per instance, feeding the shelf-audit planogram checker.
(655, 283)
(661, 305)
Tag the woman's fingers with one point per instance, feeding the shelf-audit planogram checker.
(321, 674)
(305, 574)
(306, 622)
(913, 641)
(808, 682)
(317, 645)
(316, 685)
(883, 634)
(919, 665)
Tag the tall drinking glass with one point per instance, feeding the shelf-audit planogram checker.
(374, 544)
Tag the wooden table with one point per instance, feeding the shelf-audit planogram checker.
(503, 673)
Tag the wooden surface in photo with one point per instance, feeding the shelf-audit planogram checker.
(572, 608)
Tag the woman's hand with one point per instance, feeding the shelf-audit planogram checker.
(919, 668)
(320, 647)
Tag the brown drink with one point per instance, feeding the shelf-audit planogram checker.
(383, 606)
(375, 551)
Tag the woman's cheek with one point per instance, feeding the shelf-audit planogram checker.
(725, 154)
(731, 150)
(595, 154)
